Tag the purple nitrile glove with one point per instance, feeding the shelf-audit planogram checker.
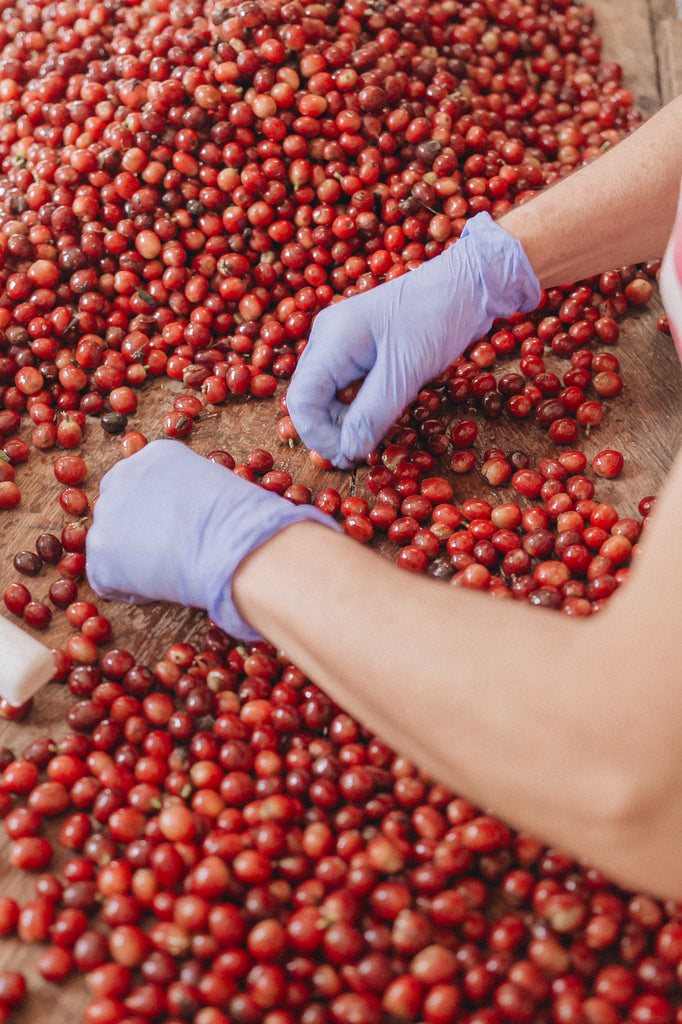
(401, 335)
(170, 525)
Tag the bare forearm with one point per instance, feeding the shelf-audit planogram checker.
(615, 211)
(507, 710)
(377, 640)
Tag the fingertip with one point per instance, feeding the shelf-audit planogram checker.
(326, 440)
(319, 428)
(360, 434)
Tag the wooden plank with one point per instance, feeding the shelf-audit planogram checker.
(666, 28)
(628, 39)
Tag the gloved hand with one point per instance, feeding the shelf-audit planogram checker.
(402, 334)
(171, 525)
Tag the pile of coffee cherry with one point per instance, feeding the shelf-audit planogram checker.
(182, 188)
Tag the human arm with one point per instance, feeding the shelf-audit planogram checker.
(567, 728)
(171, 525)
(615, 211)
(400, 334)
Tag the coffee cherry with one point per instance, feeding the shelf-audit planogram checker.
(608, 463)
(183, 188)
(114, 422)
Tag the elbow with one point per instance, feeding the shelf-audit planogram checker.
(629, 770)
(639, 827)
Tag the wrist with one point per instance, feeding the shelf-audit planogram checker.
(509, 283)
(266, 580)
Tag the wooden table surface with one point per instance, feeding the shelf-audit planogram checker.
(644, 422)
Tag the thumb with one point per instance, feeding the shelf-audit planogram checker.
(316, 412)
(381, 400)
